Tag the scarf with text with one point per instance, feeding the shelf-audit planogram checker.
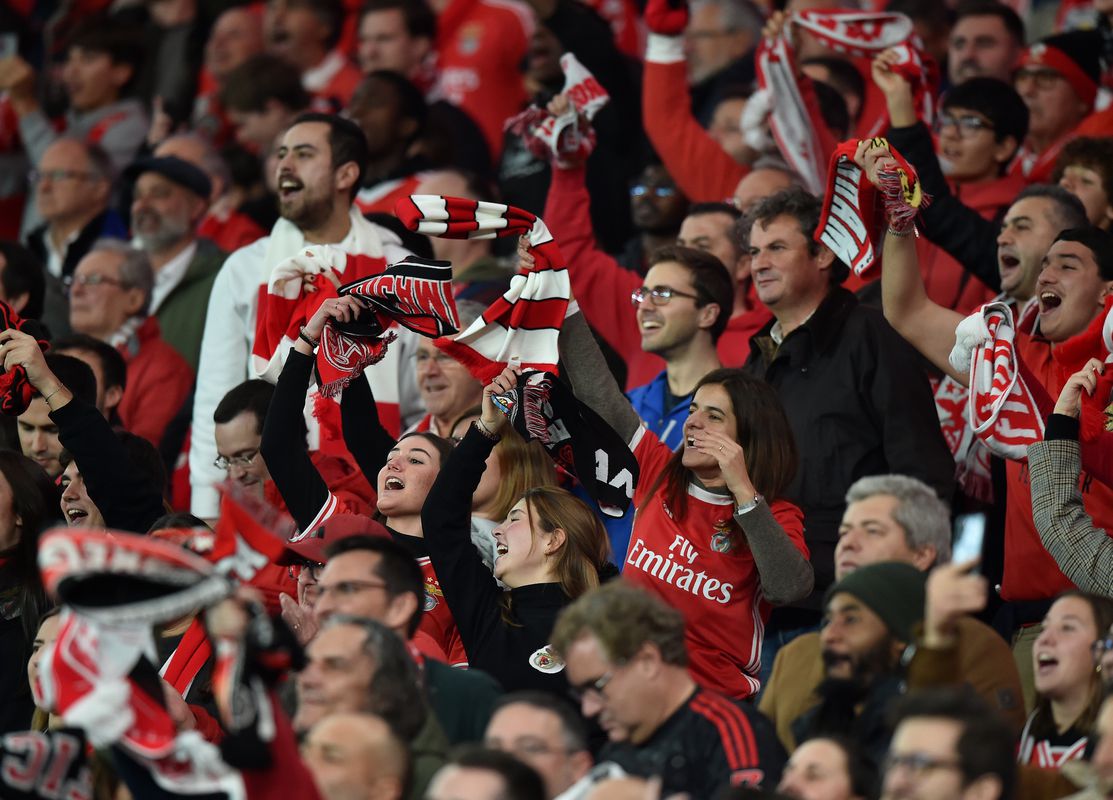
(542, 408)
(567, 136)
(525, 322)
(16, 392)
(1001, 411)
(795, 121)
(855, 212)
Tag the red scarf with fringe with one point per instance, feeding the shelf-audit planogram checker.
(855, 212)
(525, 322)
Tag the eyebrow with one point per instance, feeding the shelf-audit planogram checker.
(710, 408)
(420, 450)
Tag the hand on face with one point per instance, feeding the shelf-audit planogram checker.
(730, 457)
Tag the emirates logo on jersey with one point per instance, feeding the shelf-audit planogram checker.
(673, 571)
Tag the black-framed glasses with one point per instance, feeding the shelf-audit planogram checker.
(967, 124)
(40, 175)
(641, 190)
(242, 460)
(918, 764)
(345, 589)
(658, 295)
(311, 571)
(1043, 78)
(594, 687)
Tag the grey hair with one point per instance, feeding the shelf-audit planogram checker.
(395, 691)
(135, 268)
(925, 518)
(738, 15)
(211, 162)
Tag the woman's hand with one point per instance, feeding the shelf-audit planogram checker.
(341, 309)
(1085, 380)
(491, 418)
(731, 459)
(301, 622)
(874, 158)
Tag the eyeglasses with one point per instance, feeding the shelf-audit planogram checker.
(242, 460)
(967, 124)
(528, 747)
(38, 176)
(594, 687)
(1101, 647)
(641, 190)
(311, 573)
(1043, 78)
(346, 589)
(658, 295)
(918, 764)
(70, 281)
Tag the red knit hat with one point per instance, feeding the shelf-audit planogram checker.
(1074, 55)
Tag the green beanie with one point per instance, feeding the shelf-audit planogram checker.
(894, 590)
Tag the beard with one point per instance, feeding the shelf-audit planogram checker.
(308, 211)
(168, 232)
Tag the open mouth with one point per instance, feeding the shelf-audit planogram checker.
(289, 187)
(1008, 262)
(394, 484)
(1049, 301)
(74, 516)
(501, 549)
(1045, 662)
(651, 325)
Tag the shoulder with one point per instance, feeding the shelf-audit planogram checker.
(734, 726)
(245, 262)
(513, 12)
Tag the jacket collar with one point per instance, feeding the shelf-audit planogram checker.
(820, 332)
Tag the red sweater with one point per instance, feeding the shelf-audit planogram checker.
(159, 381)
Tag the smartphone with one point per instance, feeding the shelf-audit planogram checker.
(9, 45)
(969, 536)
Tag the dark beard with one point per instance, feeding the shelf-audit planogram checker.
(840, 697)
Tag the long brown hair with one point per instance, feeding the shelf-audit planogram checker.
(1043, 722)
(586, 546)
(762, 429)
(523, 466)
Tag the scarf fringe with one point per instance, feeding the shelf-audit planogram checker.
(902, 198)
(534, 398)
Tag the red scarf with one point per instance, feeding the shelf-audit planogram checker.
(525, 322)
(16, 392)
(855, 212)
(1094, 342)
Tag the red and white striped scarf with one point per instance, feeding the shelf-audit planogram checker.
(798, 130)
(855, 212)
(1001, 411)
(525, 322)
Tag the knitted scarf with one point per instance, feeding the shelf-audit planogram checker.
(855, 212)
(796, 124)
(541, 407)
(1001, 411)
(525, 322)
(417, 293)
(564, 137)
(16, 392)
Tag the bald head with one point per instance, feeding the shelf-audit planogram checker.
(356, 756)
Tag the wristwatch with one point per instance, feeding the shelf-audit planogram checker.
(746, 508)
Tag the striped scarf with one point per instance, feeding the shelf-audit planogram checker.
(525, 322)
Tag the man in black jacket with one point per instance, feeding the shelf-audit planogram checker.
(855, 394)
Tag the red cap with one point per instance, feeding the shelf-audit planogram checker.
(311, 547)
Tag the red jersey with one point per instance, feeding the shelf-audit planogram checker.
(437, 621)
(480, 47)
(702, 566)
(1030, 572)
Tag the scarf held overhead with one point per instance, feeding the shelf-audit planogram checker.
(525, 322)
(542, 408)
(855, 212)
(16, 392)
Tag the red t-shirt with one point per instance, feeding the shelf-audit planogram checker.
(480, 46)
(705, 572)
(1030, 573)
(437, 621)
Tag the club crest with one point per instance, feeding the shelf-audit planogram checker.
(546, 660)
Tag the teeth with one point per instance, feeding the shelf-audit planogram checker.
(1046, 658)
(289, 184)
(394, 483)
(648, 326)
(691, 442)
(501, 549)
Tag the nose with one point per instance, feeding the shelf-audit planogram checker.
(790, 785)
(69, 494)
(237, 472)
(38, 442)
(322, 606)
(830, 633)
(591, 705)
(849, 540)
(1005, 236)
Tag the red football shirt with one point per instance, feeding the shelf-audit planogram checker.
(701, 565)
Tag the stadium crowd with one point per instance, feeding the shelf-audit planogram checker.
(556, 399)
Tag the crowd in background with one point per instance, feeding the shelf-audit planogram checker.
(774, 490)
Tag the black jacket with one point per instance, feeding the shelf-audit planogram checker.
(510, 653)
(965, 234)
(859, 404)
(125, 495)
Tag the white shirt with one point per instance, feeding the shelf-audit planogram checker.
(55, 258)
(171, 274)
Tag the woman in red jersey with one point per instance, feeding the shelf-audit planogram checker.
(713, 534)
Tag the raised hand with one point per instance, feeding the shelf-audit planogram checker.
(667, 17)
(952, 591)
(874, 158)
(20, 349)
(341, 309)
(731, 459)
(490, 418)
(1085, 380)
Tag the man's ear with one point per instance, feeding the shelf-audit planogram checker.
(708, 314)
(400, 610)
(346, 176)
(825, 258)
(112, 397)
(1004, 151)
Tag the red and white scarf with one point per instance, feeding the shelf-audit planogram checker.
(1001, 410)
(566, 136)
(796, 125)
(855, 212)
(525, 322)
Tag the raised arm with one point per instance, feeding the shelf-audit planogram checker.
(364, 435)
(283, 447)
(591, 380)
(122, 491)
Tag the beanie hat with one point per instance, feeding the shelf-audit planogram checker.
(1075, 55)
(893, 590)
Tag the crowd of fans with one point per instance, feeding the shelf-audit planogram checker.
(765, 487)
